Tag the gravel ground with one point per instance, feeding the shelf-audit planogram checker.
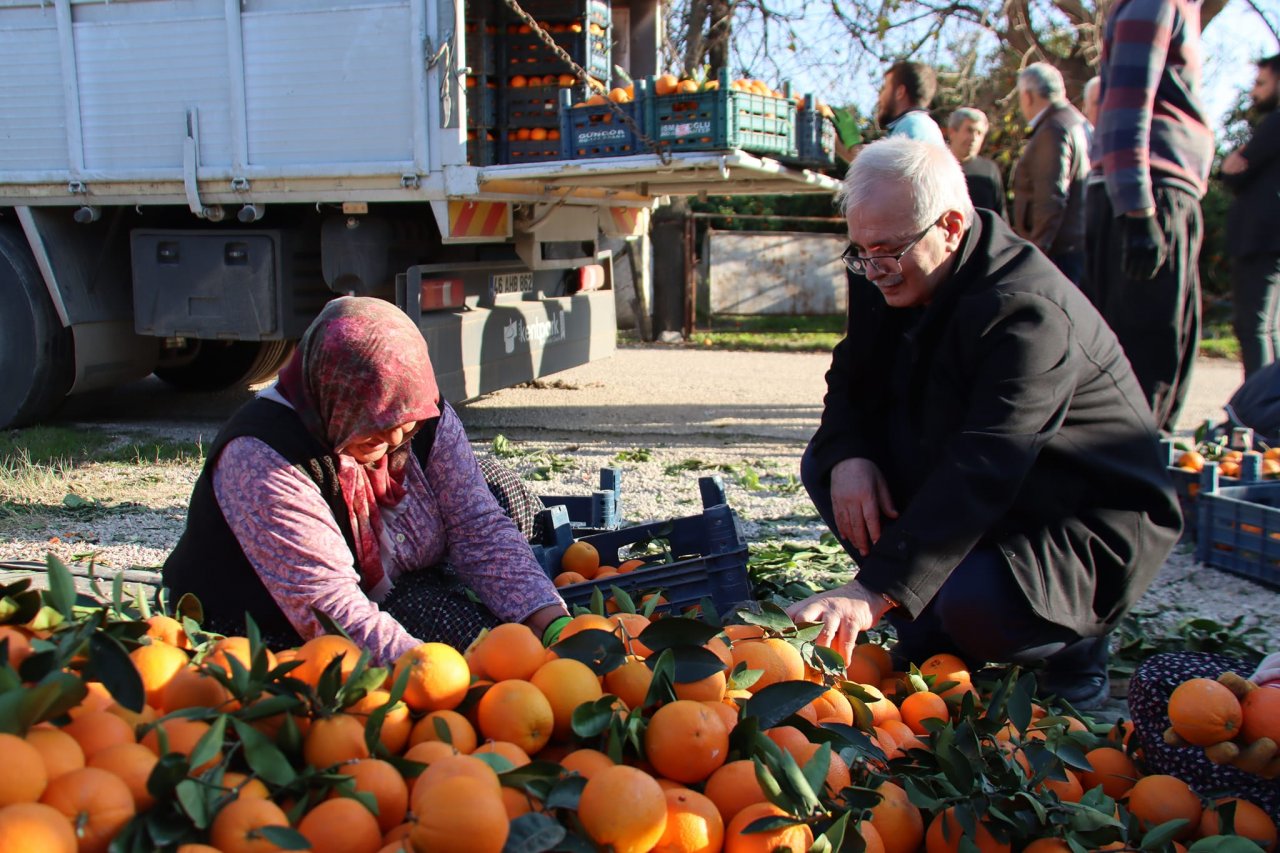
(672, 413)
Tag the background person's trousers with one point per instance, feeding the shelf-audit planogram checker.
(1157, 321)
(1255, 299)
(980, 613)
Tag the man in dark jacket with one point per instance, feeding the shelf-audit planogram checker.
(1049, 180)
(966, 129)
(985, 453)
(1253, 225)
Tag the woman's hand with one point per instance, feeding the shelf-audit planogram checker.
(1268, 672)
(542, 618)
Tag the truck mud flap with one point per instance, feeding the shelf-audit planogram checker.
(482, 350)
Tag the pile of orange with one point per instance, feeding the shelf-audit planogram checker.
(623, 734)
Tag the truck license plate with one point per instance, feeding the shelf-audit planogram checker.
(513, 282)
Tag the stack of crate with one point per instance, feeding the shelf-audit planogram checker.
(532, 76)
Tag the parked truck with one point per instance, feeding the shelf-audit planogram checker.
(184, 183)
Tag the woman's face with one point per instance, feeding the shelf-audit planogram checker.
(367, 449)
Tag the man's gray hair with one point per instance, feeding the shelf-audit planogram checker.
(1041, 78)
(932, 175)
(963, 114)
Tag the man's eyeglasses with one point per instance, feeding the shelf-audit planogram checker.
(890, 264)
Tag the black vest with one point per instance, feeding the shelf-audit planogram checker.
(208, 561)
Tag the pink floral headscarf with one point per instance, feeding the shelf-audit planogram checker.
(362, 367)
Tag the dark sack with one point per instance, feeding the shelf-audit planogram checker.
(1256, 404)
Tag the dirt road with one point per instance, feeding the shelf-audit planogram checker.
(641, 391)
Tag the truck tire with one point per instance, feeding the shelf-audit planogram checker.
(37, 354)
(217, 365)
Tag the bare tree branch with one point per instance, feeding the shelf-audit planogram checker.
(1275, 33)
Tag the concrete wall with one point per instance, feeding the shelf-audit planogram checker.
(775, 272)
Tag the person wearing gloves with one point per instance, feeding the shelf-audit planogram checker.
(1149, 690)
(1144, 232)
(349, 489)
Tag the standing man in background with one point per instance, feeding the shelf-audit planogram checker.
(903, 108)
(966, 130)
(1145, 230)
(1089, 107)
(1253, 225)
(1049, 180)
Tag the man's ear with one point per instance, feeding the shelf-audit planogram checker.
(953, 227)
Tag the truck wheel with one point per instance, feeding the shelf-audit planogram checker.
(206, 365)
(37, 355)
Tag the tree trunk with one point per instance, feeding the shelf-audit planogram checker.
(719, 39)
(694, 42)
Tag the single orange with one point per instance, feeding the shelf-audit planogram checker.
(341, 825)
(25, 776)
(686, 741)
(97, 803)
(438, 678)
(624, 809)
(32, 827)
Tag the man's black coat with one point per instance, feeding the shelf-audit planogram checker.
(1253, 221)
(1003, 414)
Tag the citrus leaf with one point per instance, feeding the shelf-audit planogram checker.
(193, 800)
(775, 703)
(1159, 836)
(835, 834)
(771, 617)
(677, 631)
(769, 784)
(693, 663)
(284, 837)
(189, 607)
(592, 718)
(601, 650)
(168, 772)
(262, 756)
(210, 743)
(61, 594)
(815, 769)
(533, 833)
(110, 663)
(662, 688)
(500, 763)
(566, 792)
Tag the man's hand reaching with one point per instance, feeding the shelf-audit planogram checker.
(843, 612)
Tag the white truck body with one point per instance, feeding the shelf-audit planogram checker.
(124, 123)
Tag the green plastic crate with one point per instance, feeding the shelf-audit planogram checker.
(723, 119)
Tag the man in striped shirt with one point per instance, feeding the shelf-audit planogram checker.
(1145, 230)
